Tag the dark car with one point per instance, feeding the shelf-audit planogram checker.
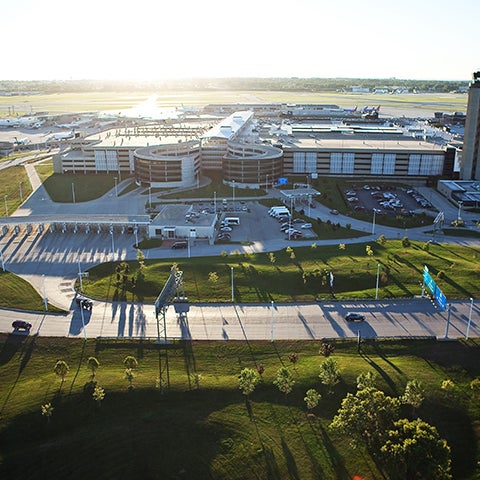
(179, 245)
(354, 317)
(84, 303)
(21, 325)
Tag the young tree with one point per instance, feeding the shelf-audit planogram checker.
(93, 365)
(130, 362)
(414, 394)
(47, 411)
(405, 242)
(248, 380)
(213, 277)
(369, 250)
(312, 397)
(129, 375)
(61, 369)
(98, 394)
(366, 380)
(366, 416)
(284, 380)
(382, 239)
(271, 258)
(414, 450)
(329, 373)
(326, 349)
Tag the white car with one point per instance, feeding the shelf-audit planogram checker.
(226, 229)
(306, 225)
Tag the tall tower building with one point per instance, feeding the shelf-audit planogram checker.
(470, 168)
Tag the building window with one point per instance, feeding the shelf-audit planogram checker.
(342, 163)
(383, 164)
(425, 165)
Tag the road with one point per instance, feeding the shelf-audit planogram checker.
(306, 321)
(51, 262)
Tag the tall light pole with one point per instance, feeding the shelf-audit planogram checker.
(113, 244)
(73, 192)
(135, 231)
(1, 257)
(116, 190)
(45, 300)
(448, 320)
(233, 191)
(21, 195)
(272, 324)
(150, 196)
(469, 319)
(215, 202)
(80, 276)
(266, 181)
(459, 215)
(6, 206)
(376, 286)
(231, 274)
(373, 223)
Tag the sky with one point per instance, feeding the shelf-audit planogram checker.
(163, 39)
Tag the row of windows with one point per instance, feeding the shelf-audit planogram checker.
(380, 164)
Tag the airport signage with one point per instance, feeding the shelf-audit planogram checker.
(440, 298)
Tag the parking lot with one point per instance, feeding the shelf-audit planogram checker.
(388, 200)
(257, 225)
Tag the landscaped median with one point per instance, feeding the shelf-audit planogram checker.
(299, 273)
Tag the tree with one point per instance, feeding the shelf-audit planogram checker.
(61, 369)
(47, 411)
(329, 373)
(93, 365)
(414, 394)
(414, 450)
(369, 250)
(129, 375)
(130, 362)
(213, 277)
(312, 397)
(341, 246)
(366, 380)
(248, 380)
(284, 380)
(382, 239)
(326, 349)
(98, 394)
(405, 242)
(271, 257)
(293, 357)
(475, 387)
(366, 416)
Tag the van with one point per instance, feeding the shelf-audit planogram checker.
(179, 245)
(284, 211)
(232, 221)
(273, 209)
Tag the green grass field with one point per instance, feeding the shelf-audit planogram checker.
(11, 178)
(456, 270)
(19, 294)
(201, 427)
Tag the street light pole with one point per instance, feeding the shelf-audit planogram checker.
(376, 286)
(469, 319)
(373, 223)
(21, 195)
(1, 256)
(80, 276)
(73, 192)
(116, 190)
(272, 324)
(448, 320)
(459, 215)
(231, 274)
(233, 190)
(6, 206)
(45, 300)
(113, 244)
(215, 202)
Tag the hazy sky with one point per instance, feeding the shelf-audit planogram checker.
(153, 39)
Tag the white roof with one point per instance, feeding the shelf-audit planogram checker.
(228, 128)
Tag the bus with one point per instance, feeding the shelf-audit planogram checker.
(232, 220)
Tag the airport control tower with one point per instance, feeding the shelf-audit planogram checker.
(470, 169)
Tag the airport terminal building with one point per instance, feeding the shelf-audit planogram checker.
(165, 156)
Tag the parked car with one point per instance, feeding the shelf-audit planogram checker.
(177, 245)
(21, 325)
(306, 225)
(297, 220)
(226, 229)
(296, 235)
(354, 317)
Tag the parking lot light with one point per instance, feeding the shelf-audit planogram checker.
(373, 223)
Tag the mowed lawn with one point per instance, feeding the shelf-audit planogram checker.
(300, 274)
(10, 180)
(200, 426)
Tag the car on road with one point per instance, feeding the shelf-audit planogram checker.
(84, 303)
(334, 212)
(21, 325)
(354, 317)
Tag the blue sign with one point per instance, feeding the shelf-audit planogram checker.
(441, 299)
(429, 282)
(282, 181)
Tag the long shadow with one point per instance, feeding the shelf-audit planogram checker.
(306, 326)
(80, 361)
(382, 373)
(290, 460)
(337, 461)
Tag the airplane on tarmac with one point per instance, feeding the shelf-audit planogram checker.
(351, 110)
(64, 136)
(368, 109)
(21, 141)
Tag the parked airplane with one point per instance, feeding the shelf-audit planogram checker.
(350, 110)
(368, 109)
(64, 136)
(21, 141)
